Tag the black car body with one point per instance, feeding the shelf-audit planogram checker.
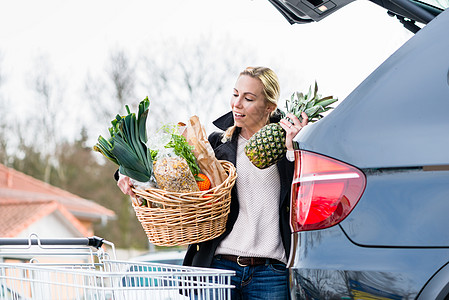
(370, 199)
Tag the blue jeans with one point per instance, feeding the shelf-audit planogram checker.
(270, 281)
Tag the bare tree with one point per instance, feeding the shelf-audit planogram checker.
(110, 91)
(194, 77)
(95, 92)
(3, 144)
(50, 114)
(4, 128)
(3, 150)
(122, 75)
(2, 78)
(182, 78)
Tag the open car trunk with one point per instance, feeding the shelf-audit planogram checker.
(408, 12)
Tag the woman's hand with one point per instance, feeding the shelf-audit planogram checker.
(125, 185)
(293, 129)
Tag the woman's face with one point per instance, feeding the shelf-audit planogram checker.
(249, 106)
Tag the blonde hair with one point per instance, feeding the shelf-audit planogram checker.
(271, 90)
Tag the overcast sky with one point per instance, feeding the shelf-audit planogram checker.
(77, 36)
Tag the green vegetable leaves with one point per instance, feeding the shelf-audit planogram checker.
(104, 146)
(126, 146)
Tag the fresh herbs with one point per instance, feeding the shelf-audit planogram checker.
(182, 148)
(168, 137)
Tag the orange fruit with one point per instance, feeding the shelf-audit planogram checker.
(205, 184)
(207, 196)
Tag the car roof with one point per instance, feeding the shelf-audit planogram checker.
(408, 12)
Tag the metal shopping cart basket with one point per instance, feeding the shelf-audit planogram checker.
(81, 268)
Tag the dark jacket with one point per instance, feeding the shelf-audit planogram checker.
(201, 254)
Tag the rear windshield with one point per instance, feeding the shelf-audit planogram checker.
(443, 4)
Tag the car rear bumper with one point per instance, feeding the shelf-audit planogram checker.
(327, 265)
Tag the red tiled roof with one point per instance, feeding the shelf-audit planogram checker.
(15, 185)
(17, 215)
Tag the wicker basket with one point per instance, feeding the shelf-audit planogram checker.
(172, 219)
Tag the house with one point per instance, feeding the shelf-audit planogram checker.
(29, 209)
(28, 205)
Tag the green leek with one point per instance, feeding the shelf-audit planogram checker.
(126, 146)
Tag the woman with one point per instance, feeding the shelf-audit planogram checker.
(256, 243)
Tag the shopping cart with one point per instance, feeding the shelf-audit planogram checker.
(81, 268)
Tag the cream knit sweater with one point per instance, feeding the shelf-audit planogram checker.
(256, 232)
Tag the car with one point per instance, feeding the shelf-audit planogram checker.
(370, 195)
(174, 257)
(7, 293)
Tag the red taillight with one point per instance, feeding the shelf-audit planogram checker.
(324, 191)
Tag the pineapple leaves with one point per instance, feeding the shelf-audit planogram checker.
(327, 101)
(313, 112)
(312, 105)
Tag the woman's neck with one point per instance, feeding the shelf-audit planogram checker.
(247, 133)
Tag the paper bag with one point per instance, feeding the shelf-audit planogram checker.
(205, 156)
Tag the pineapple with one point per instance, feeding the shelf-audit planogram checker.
(267, 146)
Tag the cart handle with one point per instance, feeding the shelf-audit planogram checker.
(94, 241)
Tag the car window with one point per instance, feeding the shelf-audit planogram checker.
(443, 4)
